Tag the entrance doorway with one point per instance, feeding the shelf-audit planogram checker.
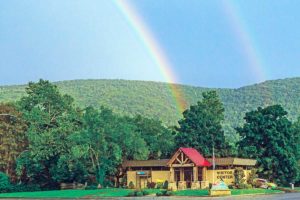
(188, 176)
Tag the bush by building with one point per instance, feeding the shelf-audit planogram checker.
(164, 193)
(5, 185)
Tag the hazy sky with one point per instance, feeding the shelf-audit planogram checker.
(208, 43)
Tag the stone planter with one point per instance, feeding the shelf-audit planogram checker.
(181, 185)
(220, 192)
(195, 185)
(172, 186)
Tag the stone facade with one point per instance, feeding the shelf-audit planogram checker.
(181, 185)
(195, 185)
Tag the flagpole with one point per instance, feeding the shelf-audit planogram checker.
(214, 165)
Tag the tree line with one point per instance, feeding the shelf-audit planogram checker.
(47, 140)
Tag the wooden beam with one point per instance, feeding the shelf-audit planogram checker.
(182, 157)
(181, 174)
(184, 165)
(173, 158)
(185, 161)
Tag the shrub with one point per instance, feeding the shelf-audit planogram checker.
(253, 175)
(159, 185)
(131, 194)
(131, 185)
(5, 185)
(26, 188)
(165, 185)
(164, 193)
(151, 185)
(231, 187)
(91, 187)
(169, 193)
(239, 176)
(159, 194)
(145, 192)
(244, 186)
(138, 193)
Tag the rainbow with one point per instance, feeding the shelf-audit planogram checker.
(154, 50)
(245, 38)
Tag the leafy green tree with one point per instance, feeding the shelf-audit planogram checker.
(12, 137)
(296, 131)
(5, 184)
(52, 119)
(158, 138)
(109, 139)
(268, 137)
(201, 126)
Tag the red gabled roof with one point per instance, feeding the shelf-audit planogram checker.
(196, 157)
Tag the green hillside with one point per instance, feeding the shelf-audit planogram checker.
(153, 99)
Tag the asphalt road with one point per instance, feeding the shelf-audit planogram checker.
(287, 196)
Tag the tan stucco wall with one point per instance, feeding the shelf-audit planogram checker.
(131, 176)
(156, 176)
(160, 176)
(226, 174)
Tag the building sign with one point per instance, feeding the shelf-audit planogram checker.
(141, 173)
(226, 174)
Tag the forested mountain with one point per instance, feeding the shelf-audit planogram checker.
(154, 99)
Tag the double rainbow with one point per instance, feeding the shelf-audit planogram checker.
(145, 35)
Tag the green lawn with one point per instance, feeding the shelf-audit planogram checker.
(115, 192)
(191, 193)
(233, 192)
(253, 191)
(70, 193)
(111, 192)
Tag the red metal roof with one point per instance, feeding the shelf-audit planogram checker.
(196, 157)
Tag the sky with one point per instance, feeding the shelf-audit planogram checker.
(211, 43)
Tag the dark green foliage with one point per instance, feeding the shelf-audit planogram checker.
(159, 185)
(131, 185)
(296, 131)
(244, 186)
(253, 175)
(12, 137)
(154, 100)
(165, 185)
(5, 185)
(25, 188)
(164, 193)
(66, 144)
(239, 177)
(159, 138)
(91, 187)
(145, 192)
(52, 120)
(201, 126)
(138, 193)
(268, 137)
